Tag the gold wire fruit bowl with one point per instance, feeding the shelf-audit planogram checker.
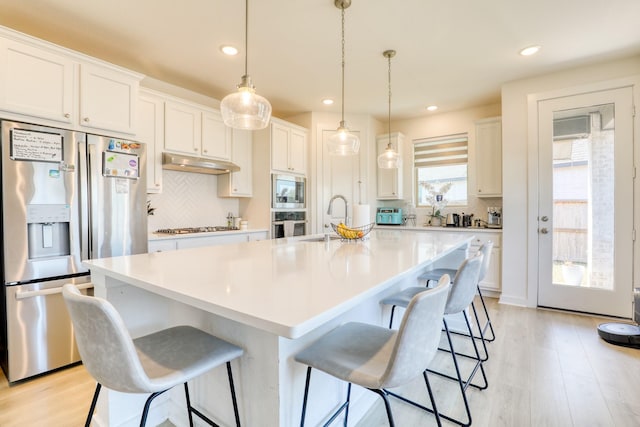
(352, 233)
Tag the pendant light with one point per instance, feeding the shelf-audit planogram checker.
(245, 109)
(390, 158)
(343, 142)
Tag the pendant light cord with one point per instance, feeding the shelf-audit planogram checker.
(246, 35)
(389, 121)
(342, 63)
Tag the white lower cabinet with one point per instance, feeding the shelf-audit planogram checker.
(162, 245)
(203, 241)
(491, 281)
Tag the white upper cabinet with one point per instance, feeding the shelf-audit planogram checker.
(43, 81)
(390, 180)
(488, 151)
(216, 136)
(107, 99)
(36, 82)
(182, 128)
(238, 184)
(196, 131)
(288, 148)
(151, 132)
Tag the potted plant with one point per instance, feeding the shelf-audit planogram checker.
(435, 198)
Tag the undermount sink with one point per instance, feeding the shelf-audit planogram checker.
(320, 238)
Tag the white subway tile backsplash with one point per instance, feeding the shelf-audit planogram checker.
(189, 200)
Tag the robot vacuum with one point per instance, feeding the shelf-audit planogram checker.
(624, 334)
(620, 334)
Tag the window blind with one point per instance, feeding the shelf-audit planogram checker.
(441, 151)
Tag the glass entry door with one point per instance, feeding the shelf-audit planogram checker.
(585, 221)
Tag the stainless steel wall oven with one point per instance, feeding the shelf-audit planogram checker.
(288, 224)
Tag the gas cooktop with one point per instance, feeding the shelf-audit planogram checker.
(189, 230)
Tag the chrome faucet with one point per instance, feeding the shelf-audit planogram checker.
(346, 207)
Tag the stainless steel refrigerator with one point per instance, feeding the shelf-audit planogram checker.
(66, 197)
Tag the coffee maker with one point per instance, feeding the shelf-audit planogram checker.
(494, 217)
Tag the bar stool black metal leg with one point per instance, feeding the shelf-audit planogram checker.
(92, 408)
(393, 309)
(147, 405)
(387, 406)
(233, 394)
(306, 395)
(346, 414)
(433, 400)
(189, 410)
(482, 338)
(486, 313)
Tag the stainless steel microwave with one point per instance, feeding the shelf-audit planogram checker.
(288, 192)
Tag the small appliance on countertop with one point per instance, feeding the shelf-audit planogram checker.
(494, 217)
(389, 216)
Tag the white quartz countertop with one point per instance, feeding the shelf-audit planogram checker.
(284, 286)
(167, 236)
(441, 229)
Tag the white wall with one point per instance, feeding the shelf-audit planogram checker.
(517, 195)
(440, 125)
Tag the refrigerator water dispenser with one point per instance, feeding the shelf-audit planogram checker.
(48, 230)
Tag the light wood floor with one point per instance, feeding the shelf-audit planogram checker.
(545, 368)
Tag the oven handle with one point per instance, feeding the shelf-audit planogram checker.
(294, 221)
(50, 291)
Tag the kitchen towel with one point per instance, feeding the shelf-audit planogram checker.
(361, 215)
(289, 228)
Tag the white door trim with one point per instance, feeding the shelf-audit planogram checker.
(533, 178)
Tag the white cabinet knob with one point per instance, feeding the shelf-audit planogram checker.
(67, 115)
(86, 120)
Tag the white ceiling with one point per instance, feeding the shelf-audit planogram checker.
(453, 53)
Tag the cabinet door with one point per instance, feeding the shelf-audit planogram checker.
(36, 82)
(216, 137)
(298, 151)
(107, 99)
(241, 180)
(492, 279)
(151, 132)
(238, 184)
(182, 128)
(489, 158)
(162, 245)
(279, 147)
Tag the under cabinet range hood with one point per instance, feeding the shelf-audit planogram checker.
(178, 162)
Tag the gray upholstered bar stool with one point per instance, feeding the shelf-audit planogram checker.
(377, 358)
(436, 273)
(151, 364)
(462, 292)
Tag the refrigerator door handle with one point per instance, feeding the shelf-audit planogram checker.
(85, 234)
(42, 292)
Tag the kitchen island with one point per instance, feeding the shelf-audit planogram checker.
(271, 297)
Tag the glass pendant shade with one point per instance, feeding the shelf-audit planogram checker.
(343, 142)
(389, 159)
(245, 109)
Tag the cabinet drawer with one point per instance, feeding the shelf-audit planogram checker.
(482, 238)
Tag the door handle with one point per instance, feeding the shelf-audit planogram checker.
(544, 231)
(545, 218)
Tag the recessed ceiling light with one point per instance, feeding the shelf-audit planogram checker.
(327, 101)
(229, 50)
(432, 107)
(531, 50)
